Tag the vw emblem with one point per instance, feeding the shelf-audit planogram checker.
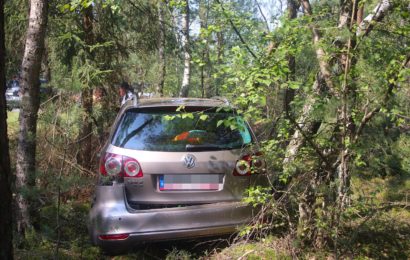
(189, 161)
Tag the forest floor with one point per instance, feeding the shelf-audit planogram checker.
(380, 231)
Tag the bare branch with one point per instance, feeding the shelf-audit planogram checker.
(263, 16)
(236, 30)
(309, 140)
(368, 116)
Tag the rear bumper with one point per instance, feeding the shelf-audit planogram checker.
(111, 215)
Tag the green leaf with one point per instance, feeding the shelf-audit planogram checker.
(203, 117)
(263, 101)
(187, 115)
(168, 117)
(180, 108)
(294, 86)
(220, 122)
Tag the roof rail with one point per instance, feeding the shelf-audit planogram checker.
(224, 99)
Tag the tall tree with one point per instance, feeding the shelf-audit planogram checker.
(219, 55)
(161, 49)
(186, 49)
(292, 7)
(30, 85)
(84, 138)
(206, 63)
(6, 234)
(334, 162)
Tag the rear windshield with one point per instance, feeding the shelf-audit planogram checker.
(208, 130)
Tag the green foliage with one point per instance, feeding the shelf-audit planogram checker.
(15, 29)
(257, 196)
(125, 48)
(178, 254)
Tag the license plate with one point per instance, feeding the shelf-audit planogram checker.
(190, 182)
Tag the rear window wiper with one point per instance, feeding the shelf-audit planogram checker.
(205, 147)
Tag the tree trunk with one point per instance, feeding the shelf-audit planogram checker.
(187, 55)
(205, 68)
(320, 52)
(46, 65)
(360, 13)
(347, 61)
(26, 147)
(292, 7)
(219, 54)
(84, 139)
(376, 15)
(305, 129)
(306, 229)
(207, 75)
(161, 49)
(6, 231)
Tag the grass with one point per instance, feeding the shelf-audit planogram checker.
(384, 231)
(12, 131)
(12, 123)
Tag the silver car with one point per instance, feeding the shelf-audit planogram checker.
(172, 169)
(13, 97)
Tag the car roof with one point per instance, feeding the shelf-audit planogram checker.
(166, 102)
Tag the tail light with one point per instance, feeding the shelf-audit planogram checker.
(120, 165)
(250, 164)
(114, 237)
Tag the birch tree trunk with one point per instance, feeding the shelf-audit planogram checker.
(187, 55)
(320, 52)
(161, 49)
(336, 166)
(376, 15)
(297, 140)
(84, 138)
(26, 147)
(307, 198)
(307, 230)
(348, 97)
(6, 231)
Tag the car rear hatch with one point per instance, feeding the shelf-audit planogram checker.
(185, 157)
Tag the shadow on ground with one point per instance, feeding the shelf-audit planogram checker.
(181, 249)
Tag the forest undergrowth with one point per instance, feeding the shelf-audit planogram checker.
(377, 225)
(324, 84)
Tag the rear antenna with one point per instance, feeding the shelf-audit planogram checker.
(223, 99)
(135, 99)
